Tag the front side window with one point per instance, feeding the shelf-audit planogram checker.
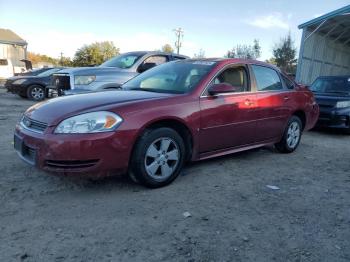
(175, 77)
(157, 59)
(266, 78)
(234, 76)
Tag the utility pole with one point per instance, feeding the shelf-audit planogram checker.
(179, 36)
(61, 61)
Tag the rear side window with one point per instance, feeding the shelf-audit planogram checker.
(3, 62)
(158, 60)
(266, 78)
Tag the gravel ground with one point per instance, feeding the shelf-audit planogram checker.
(234, 216)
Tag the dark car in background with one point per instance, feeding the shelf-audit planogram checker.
(173, 113)
(332, 94)
(35, 72)
(111, 74)
(32, 87)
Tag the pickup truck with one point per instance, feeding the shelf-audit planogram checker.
(109, 75)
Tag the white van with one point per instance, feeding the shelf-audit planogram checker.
(6, 69)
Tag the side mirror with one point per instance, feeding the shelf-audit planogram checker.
(145, 66)
(221, 88)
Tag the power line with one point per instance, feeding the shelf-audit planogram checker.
(179, 32)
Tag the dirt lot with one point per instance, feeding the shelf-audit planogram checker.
(234, 216)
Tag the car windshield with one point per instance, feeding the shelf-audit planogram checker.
(122, 61)
(177, 77)
(335, 85)
(49, 72)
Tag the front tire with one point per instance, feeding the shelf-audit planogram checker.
(36, 93)
(291, 137)
(158, 157)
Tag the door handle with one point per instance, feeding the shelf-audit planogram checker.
(248, 102)
(286, 98)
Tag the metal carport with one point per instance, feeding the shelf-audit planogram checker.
(325, 46)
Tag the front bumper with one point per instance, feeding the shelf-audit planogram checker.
(334, 118)
(15, 89)
(87, 155)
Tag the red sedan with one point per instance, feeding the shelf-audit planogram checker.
(181, 111)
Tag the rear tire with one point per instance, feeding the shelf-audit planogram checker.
(291, 136)
(36, 92)
(158, 157)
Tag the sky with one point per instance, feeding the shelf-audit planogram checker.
(52, 27)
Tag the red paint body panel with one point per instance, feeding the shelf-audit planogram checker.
(218, 125)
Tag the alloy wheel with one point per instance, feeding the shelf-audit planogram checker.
(37, 93)
(293, 135)
(162, 158)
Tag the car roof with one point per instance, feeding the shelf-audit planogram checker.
(139, 53)
(230, 61)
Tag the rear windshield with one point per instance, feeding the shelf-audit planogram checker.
(3, 62)
(331, 85)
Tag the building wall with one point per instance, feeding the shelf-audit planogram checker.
(321, 56)
(14, 53)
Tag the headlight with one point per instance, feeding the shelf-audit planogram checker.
(94, 122)
(19, 81)
(343, 104)
(84, 80)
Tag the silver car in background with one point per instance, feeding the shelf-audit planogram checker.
(109, 75)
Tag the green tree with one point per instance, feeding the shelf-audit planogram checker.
(167, 48)
(284, 54)
(95, 53)
(65, 61)
(245, 51)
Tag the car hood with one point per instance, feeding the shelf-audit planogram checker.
(21, 77)
(89, 70)
(330, 99)
(57, 109)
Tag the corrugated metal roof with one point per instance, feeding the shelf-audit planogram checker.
(9, 37)
(320, 19)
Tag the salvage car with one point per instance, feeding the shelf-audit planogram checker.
(31, 86)
(109, 75)
(181, 111)
(332, 94)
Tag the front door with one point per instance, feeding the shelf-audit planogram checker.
(228, 120)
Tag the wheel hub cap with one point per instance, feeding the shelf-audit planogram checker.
(293, 135)
(162, 158)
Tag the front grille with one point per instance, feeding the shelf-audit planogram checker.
(33, 125)
(61, 81)
(71, 164)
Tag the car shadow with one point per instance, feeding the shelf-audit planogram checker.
(123, 182)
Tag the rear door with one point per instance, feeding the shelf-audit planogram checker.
(274, 103)
(228, 120)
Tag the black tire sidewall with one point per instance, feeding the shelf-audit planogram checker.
(137, 164)
(283, 146)
(29, 90)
